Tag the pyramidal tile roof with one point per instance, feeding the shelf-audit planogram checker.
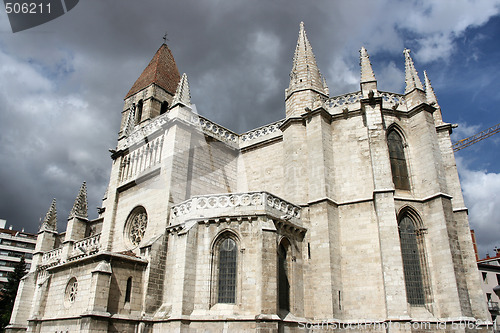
(161, 70)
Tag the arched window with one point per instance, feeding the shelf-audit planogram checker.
(414, 265)
(135, 226)
(128, 290)
(283, 276)
(164, 107)
(139, 112)
(227, 256)
(398, 161)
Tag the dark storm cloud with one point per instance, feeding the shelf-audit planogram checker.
(62, 84)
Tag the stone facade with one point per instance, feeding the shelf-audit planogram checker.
(347, 212)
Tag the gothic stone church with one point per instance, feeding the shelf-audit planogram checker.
(348, 210)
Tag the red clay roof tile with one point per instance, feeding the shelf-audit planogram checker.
(161, 70)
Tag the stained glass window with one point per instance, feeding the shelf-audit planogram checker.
(398, 161)
(412, 264)
(227, 271)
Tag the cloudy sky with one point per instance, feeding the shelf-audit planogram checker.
(62, 84)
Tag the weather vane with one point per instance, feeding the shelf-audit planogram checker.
(165, 38)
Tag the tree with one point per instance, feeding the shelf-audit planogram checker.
(9, 292)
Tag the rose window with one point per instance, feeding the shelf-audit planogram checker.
(71, 292)
(136, 226)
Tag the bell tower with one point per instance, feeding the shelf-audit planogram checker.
(153, 92)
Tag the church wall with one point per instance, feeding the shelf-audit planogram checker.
(258, 176)
(148, 194)
(68, 325)
(57, 305)
(213, 166)
(351, 161)
(117, 290)
(322, 262)
(295, 164)
(362, 282)
(191, 275)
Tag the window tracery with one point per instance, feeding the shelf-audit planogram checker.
(71, 292)
(136, 225)
(414, 261)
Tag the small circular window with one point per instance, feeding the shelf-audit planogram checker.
(71, 292)
(136, 225)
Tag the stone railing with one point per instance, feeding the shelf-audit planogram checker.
(236, 200)
(392, 98)
(87, 246)
(261, 131)
(343, 100)
(51, 256)
(142, 132)
(141, 159)
(215, 130)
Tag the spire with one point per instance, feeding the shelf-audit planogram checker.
(411, 75)
(431, 99)
(182, 94)
(366, 67)
(161, 70)
(429, 92)
(50, 221)
(80, 206)
(305, 73)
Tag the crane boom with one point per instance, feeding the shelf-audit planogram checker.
(461, 144)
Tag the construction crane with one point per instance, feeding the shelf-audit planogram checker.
(461, 144)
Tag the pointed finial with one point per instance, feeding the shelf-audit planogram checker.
(431, 99)
(165, 38)
(182, 95)
(429, 92)
(411, 75)
(50, 221)
(366, 67)
(325, 87)
(305, 73)
(80, 206)
(130, 123)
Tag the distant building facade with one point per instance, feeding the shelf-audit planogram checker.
(489, 272)
(14, 244)
(347, 211)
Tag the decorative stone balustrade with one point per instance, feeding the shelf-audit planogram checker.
(395, 100)
(141, 159)
(343, 100)
(142, 132)
(236, 200)
(261, 131)
(215, 130)
(87, 246)
(51, 256)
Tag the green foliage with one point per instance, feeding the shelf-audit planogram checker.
(9, 292)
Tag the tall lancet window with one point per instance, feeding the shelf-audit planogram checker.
(398, 161)
(283, 276)
(413, 260)
(227, 252)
